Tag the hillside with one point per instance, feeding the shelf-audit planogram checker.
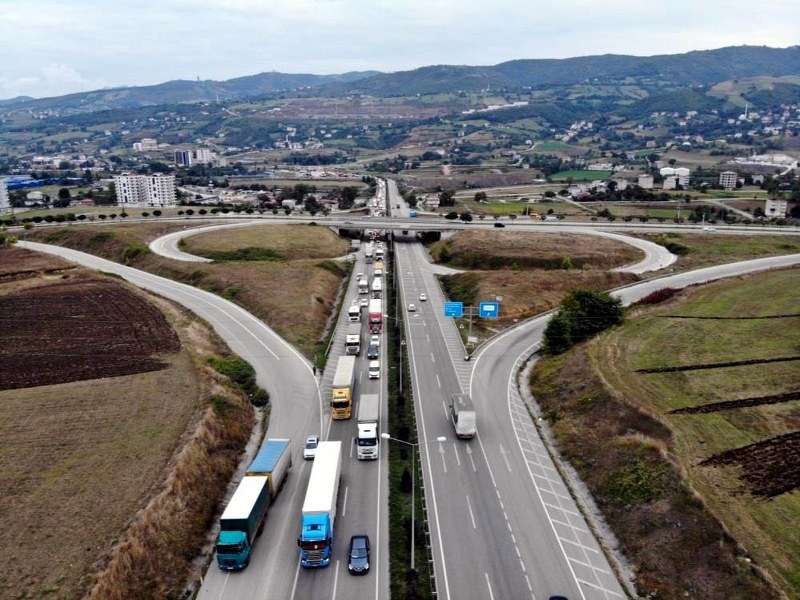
(703, 67)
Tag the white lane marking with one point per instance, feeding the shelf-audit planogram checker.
(504, 454)
(224, 584)
(441, 453)
(433, 358)
(472, 459)
(455, 449)
(444, 408)
(471, 515)
(296, 575)
(489, 585)
(351, 448)
(335, 581)
(439, 383)
(344, 502)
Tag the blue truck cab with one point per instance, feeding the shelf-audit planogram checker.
(233, 550)
(316, 541)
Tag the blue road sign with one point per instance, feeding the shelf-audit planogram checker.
(489, 310)
(454, 309)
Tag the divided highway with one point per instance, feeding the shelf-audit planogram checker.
(502, 522)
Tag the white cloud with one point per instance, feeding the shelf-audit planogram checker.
(52, 80)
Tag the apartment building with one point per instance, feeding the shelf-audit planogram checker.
(145, 190)
(5, 203)
(727, 179)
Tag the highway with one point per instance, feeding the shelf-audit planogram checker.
(502, 523)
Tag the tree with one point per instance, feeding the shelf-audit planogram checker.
(446, 198)
(64, 194)
(465, 216)
(451, 216)
(583, 314)
(480, 197)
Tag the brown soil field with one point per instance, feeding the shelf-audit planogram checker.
(114, 470)
(293, 296)
(79, 327)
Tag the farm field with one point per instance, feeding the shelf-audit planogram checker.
(735, 426)
(581, 175)
(99, 387)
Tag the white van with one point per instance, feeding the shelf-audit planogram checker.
(374, 370)
(462, 413)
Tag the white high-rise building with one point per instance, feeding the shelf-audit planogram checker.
(145, 190)
(5, 203)
(727, 179)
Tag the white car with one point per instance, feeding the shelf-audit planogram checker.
(423, 297)
(412, 308)
(375, 340)
(364, 302)
(310, 449)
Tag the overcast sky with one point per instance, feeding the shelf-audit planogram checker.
(54, 47)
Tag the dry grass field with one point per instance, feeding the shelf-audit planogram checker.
(102, 472)
(679, 457)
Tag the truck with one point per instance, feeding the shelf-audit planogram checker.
(462, 414)
(369, 251)
(243, 518)
(319, 507)
(375, 310)
(377, 268)
(377, 288)
(342, 388)
(352, 340)
(354, 313)
(368, 440)
(363, 286)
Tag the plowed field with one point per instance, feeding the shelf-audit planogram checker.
(76, 329)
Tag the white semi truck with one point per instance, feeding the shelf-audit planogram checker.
(368, 440)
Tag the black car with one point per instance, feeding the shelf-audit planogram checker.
(499, 225)
(372, 353)
(358, 556)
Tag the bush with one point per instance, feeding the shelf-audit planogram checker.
(583, 314)
(658, 296)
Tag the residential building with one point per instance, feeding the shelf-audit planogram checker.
(145, 190)
(670, 183)
(145, 144)
(203, 156)
(727, 179)
(5, 203)
(646, 182)
(776, 208)
(183, 158)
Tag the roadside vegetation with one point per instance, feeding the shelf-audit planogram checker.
(111, 476)
(683, 424)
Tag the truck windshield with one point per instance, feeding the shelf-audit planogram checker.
(229, 548)
(340, 403)
(317, 545)
(367, 442)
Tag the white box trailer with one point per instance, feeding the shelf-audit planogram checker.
(319, 506)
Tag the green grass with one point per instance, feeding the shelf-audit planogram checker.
(654, 340)
(550, 146)
(581, 175)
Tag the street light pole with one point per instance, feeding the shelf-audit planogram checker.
(414, 447)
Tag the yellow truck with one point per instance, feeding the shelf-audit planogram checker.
(343, 384)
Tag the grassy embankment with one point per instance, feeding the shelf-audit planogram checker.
(693, 528)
